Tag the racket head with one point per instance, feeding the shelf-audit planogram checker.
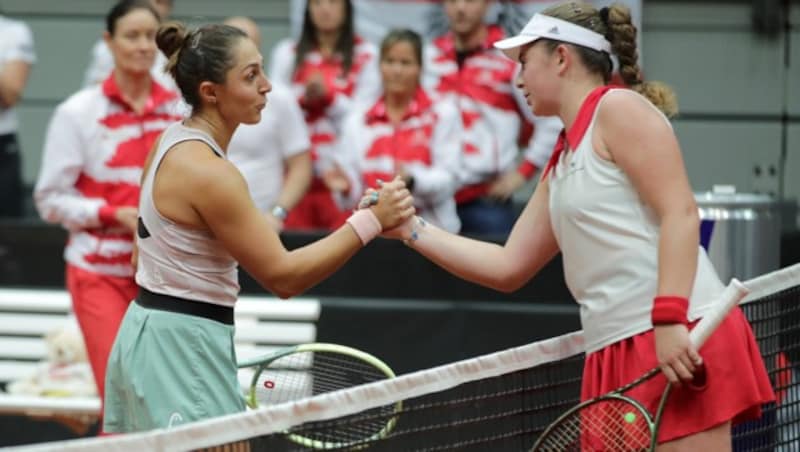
(612, 422)
(576, 429)
(310, 369)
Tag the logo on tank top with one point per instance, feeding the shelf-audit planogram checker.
(175, 419)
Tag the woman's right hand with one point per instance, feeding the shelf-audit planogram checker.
(676, 355)
(394, 205)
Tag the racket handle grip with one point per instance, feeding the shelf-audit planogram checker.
(731, 296)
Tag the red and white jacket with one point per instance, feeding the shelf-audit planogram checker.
(94, 151)
(494, 113)
(426, 144)
(361, 85)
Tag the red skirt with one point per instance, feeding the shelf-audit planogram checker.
(736, 381)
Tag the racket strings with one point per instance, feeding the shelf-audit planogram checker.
(308, 373)
(608, 425)
(305, 374)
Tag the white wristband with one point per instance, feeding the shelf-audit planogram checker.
(366, 225)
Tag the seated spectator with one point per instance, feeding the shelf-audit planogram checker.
(16, 58)
(404, 133)
(273, 155)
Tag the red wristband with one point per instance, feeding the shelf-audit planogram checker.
(668, 310)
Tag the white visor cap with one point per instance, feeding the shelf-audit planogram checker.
(541, 26)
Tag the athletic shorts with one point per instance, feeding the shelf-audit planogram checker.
(168, 369)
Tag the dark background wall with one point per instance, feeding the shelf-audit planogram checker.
(387, 300)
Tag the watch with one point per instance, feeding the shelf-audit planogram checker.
(279, 213)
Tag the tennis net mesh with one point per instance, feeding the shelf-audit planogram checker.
(496, 402)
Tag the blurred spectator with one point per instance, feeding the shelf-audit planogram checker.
(463, 65)
(16, 58)
(94, 150)
(101, 62)
(274, 155)
(328, 68)
(405, 133)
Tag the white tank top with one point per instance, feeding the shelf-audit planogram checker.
(177, 260)
(609, 242)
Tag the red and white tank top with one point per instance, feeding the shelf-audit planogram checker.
(609, 239)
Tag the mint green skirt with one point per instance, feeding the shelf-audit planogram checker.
(168, 369)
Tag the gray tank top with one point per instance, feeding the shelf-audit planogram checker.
(176, 260)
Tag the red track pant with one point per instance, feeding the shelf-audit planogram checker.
(99, 302)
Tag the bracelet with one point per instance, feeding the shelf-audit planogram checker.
(279, 213)
(415, 228)
(669, 310)
(365, 224)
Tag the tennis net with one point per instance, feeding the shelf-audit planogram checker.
(496, 402)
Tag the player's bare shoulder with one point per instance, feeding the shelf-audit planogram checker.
(624, 111)
(198, 171)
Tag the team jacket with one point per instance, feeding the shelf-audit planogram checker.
(93, 156)
(426, 144)
(493, 112)
(361, 84)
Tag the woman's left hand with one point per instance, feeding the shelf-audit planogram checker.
(676, 355)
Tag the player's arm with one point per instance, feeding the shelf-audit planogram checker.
(530, 246)
(297, 180)
(219, 194)
(642, 143)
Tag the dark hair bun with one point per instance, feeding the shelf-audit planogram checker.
(170, 38)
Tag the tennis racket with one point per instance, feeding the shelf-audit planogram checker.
(307, 370)
(616, 422)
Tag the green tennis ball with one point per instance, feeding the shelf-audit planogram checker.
(630, 418)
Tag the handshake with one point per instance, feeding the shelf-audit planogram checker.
(387, 211)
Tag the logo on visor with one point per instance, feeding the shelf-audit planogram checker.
(553, 31)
